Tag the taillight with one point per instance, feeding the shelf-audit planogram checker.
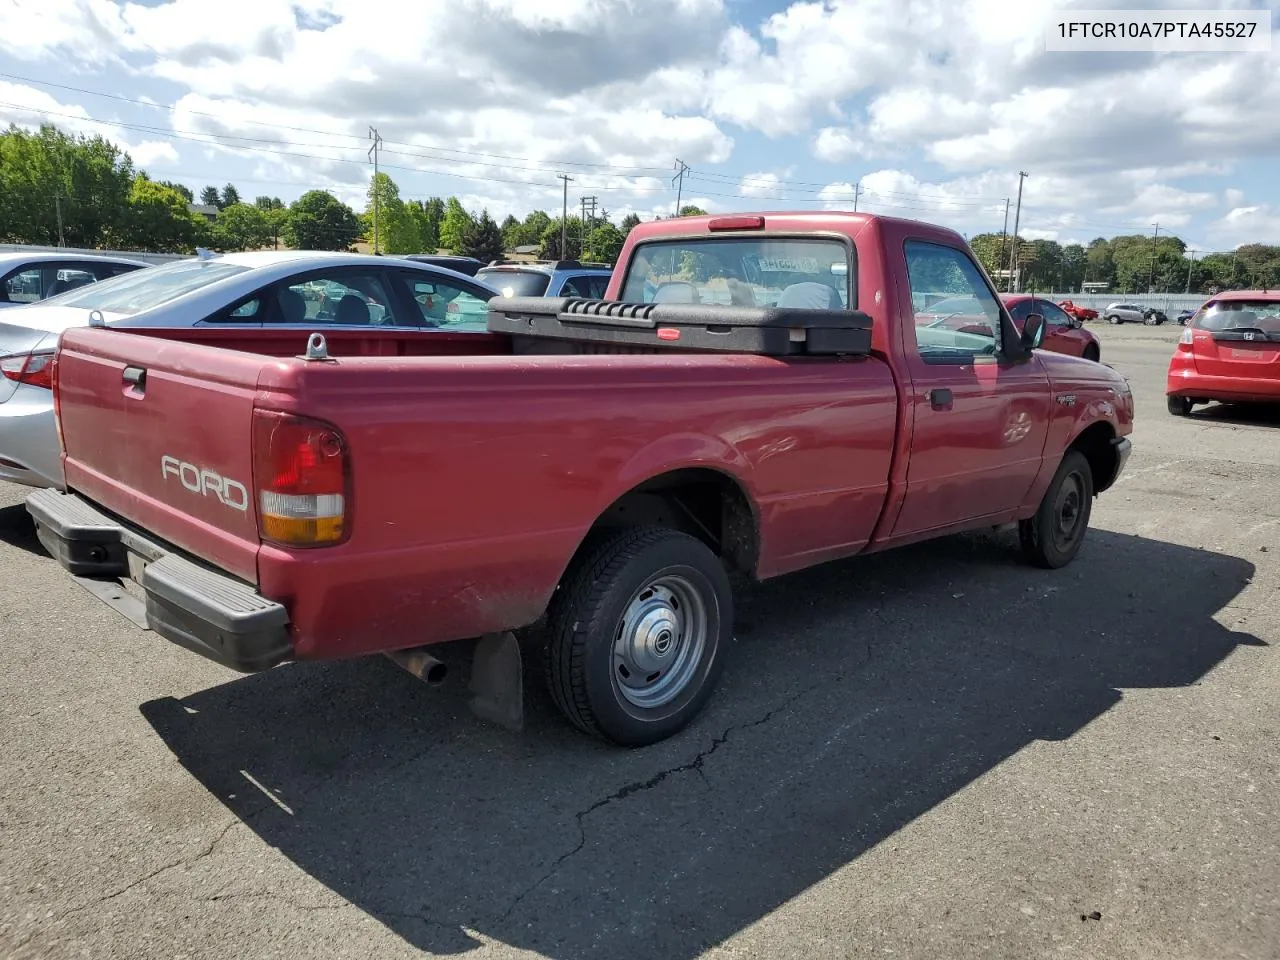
(57, 403)
(1187, 337)
(32, 369)
(301, 469)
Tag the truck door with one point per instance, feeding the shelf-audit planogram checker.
(979, 423)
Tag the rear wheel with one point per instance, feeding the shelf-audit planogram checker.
(1052, 538)
(637, 635)
(1091, 352)
(1180, 406)
(1113, 319)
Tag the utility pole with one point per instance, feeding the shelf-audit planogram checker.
(373, 155)
(1151, 284)
(1191, 263)
(564, 216)
(1004, 233)
(857, 189)
(1017, 218)
(678, 179)
(57, 205)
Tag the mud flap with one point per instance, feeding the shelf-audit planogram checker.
(497, 681)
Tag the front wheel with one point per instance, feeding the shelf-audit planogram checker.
(637, 635)
(1091, 352)
(1113, 320)
(1052, 538)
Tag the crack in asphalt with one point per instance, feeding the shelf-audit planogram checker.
(188, 861)
(641, 786)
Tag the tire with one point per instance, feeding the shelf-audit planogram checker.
(1114, 320)
(1180, 406)
(625, 692)
(1046, 542)
(1091, 352)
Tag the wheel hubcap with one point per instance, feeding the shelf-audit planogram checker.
(1070, 510)
(660, 642)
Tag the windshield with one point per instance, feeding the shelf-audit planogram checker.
(748, 272)
(1239, 315)
(143, 289)
(516, 283)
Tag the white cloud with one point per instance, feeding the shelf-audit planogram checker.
(496, 97)
(1259, 223)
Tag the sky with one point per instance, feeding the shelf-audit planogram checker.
(927, 109)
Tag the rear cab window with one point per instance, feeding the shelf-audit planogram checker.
(807, 272)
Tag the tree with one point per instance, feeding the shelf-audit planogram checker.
(987, 247)
(160, 219)
(230, 197)
(454, 225)
(512, 232)
(629, 221)
(426, 222)
(54, 187)
(242, 227)
(180, 188)
(482, 239)
(604, 243)
(550, 240)
(396, 230)
(320, 221)
(689, 210)
(210, 197)
(269, 203)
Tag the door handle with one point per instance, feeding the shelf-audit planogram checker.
(940, 398)
(136, 376)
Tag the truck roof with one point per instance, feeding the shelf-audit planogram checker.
(799, 220)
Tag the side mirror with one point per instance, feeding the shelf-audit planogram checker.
(1032, 331)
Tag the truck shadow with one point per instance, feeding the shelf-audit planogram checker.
(858, 697)
(18, 530)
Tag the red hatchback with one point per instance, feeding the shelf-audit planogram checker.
(1063, 333)
(1230, 352)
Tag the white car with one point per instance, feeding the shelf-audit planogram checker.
(29, 277)
(304, 290)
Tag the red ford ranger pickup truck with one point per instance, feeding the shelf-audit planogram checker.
(754, 396)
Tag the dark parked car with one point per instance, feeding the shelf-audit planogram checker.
(467, 265)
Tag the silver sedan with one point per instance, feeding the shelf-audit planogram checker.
(299, 289)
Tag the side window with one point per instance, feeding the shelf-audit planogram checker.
(351, 298)
(1020, 310)
(1054, 315)
(443, 304)
(596, 286)
(26, 286)
(935, 270)
(576, 287)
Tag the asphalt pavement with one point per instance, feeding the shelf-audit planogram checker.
(935, 753)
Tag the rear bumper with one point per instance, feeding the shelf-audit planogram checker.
(1184, 382)
(202, 610)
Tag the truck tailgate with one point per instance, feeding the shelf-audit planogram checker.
(160, 433)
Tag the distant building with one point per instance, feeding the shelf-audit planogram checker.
(208, 211)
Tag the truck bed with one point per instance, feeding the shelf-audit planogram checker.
(475, 472)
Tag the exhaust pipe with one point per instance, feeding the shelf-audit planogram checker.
(421, 664)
